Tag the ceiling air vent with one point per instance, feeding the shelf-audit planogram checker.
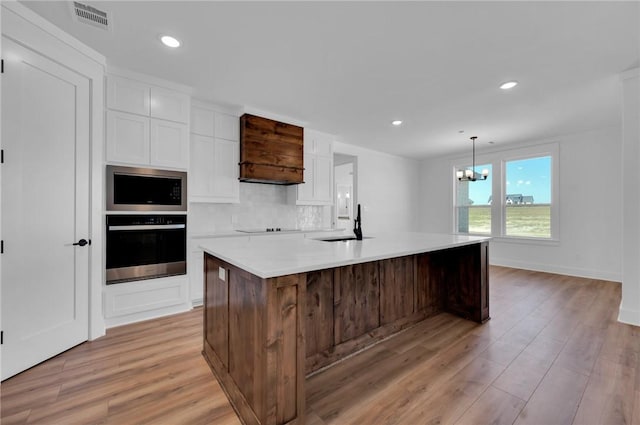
(90, 15)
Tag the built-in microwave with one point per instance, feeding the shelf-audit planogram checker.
(145, 189)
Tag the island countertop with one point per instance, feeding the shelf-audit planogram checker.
(267, 258)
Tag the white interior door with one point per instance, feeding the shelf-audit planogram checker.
(45, 208)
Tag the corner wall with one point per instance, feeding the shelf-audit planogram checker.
(590, 242)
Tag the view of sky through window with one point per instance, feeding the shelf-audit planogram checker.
(529, 177)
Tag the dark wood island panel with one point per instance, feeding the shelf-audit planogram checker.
(264, 375)
(263, 336)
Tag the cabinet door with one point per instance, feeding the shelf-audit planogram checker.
(202, 121)
(396, 289)
(196, 277)
(356, 305)
(169, 144)
(310, 141)
(127, 138)
(169, 105)
(214, 170)
(201, 173)
(324, 144)
(226, 170)
(127, 95)
(305, 190)
(227, 127)
(323, 179)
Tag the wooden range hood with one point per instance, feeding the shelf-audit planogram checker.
(270, 151)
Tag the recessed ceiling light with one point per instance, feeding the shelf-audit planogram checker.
(508, 85)
(169, 41)
(396, 122)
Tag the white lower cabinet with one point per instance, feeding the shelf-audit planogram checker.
(196, 276)
(130, 302)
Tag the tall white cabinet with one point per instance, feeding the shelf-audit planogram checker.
(317, 188)
(215, 153)
(146, 124)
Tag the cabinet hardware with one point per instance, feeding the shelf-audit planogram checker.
(1, 66)
(1, 337)
(1, 247)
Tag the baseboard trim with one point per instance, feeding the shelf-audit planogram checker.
(197, 302)
(113, 322)
(630, 317)
(549, 268)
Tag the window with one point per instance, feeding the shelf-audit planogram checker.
(473, 204)
(525, 182)
(528, 198)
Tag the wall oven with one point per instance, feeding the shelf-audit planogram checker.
(145, 189)
(145, 247)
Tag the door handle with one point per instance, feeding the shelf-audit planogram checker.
(83, 242)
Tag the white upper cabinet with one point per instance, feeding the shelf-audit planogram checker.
(169, 105)
(305, 190)
(227, 126)
(127, 138)
(146, 124)
(128, 95)
(169, 144)
(215, 153)
(202, 121)
(317, 188)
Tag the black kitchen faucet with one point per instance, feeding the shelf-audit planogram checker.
(357, 225)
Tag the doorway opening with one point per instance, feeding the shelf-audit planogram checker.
(345, 178)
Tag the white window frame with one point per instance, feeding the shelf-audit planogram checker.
(498, 160)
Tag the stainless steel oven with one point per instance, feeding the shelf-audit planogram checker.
(145, 246)
(145, 189)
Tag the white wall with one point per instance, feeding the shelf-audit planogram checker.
(590, 242)
(387, 188)
(630, 305)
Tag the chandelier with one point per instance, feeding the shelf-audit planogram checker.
(470, 174)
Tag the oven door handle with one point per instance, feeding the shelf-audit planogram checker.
(148, 227)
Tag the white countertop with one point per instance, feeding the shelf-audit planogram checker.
(270, 258)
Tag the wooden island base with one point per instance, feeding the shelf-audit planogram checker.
(263, 336)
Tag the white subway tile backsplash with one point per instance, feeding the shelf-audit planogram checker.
(261, 206)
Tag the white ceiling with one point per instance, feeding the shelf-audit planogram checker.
(349, 68)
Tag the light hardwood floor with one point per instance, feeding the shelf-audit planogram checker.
(552, 353)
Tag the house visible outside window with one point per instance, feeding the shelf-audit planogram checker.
(525, 181)
(473, 204)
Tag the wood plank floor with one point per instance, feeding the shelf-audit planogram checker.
(553, 353)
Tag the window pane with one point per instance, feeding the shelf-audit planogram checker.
(473, 201)
(528, 200)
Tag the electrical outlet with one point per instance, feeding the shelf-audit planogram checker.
(222, 273)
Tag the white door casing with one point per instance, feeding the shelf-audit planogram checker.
(45, 208)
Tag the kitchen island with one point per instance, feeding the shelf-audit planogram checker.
(276, 311)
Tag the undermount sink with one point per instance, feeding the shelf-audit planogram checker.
(342, 239)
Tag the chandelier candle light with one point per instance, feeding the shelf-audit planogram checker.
(470, 174)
